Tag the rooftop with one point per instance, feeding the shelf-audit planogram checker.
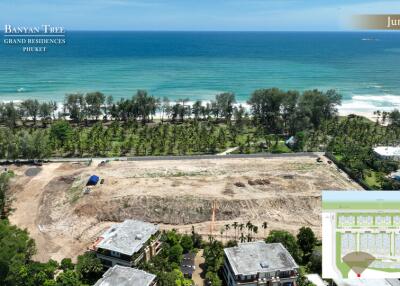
(125, 276)
(387, 150)
(257, 257)
(127, 237)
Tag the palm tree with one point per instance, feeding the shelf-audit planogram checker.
(227, 227)
(264, 226)
(235, 226)
(255, 230)
(249, 237)
(242, 237)
(241, 226)
(249, 226)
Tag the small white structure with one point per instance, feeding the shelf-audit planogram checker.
(395, 175)
(388, 152)
(126, 276)
(316, 280)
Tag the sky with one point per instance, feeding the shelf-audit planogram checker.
(388, 196)
(192, 15)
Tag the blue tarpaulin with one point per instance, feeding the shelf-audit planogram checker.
(291, 141)
(93, 180)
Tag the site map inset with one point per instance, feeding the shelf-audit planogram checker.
(361, 234)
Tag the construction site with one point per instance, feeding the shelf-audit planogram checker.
(64, 215)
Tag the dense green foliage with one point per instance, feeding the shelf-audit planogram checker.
(4, 178)
(214, 259)
(288, 241)
(166, 265)
(304, 250)
(306, 240)
(16, 249)
(17, 268)
(352, 139)
(183, 129)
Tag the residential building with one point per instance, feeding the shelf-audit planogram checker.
(388, 152)
(259, 264)
(126, 276)
(128, 243)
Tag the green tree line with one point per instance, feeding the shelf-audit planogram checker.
(276, 110)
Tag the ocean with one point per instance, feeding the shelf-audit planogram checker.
(363, 66)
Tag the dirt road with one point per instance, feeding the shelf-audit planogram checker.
(199, 275)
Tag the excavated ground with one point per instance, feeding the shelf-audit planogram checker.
(285, 192)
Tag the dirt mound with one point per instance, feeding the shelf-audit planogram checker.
(228, 192)
(189, 209)
(260, 182)
(239, 184)
(54, 196)
(86, 210)
(66, 179)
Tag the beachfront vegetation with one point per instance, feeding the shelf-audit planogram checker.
(93, 124)
(351, 141)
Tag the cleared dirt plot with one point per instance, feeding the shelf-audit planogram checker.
(64, 217)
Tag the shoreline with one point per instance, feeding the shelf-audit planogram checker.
(367, 114)
(348, 107)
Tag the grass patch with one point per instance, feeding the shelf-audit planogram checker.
(343, 267)
(280, 148)
(75, 192)
(371, 178)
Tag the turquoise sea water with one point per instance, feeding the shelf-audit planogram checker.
(364, 67)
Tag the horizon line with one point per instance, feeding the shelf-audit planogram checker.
(224, 31)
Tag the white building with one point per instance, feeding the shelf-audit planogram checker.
(259, 264)
(128, 243)
(388, 152)
(126, 276)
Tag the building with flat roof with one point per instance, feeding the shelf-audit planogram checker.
(128, 243)
(259, 263)
(388, 152)
(126, 276)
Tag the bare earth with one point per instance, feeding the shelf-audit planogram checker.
(285, 192)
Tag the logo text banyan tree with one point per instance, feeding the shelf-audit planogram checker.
(45, 29)
(377, 22)
(34, 39)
